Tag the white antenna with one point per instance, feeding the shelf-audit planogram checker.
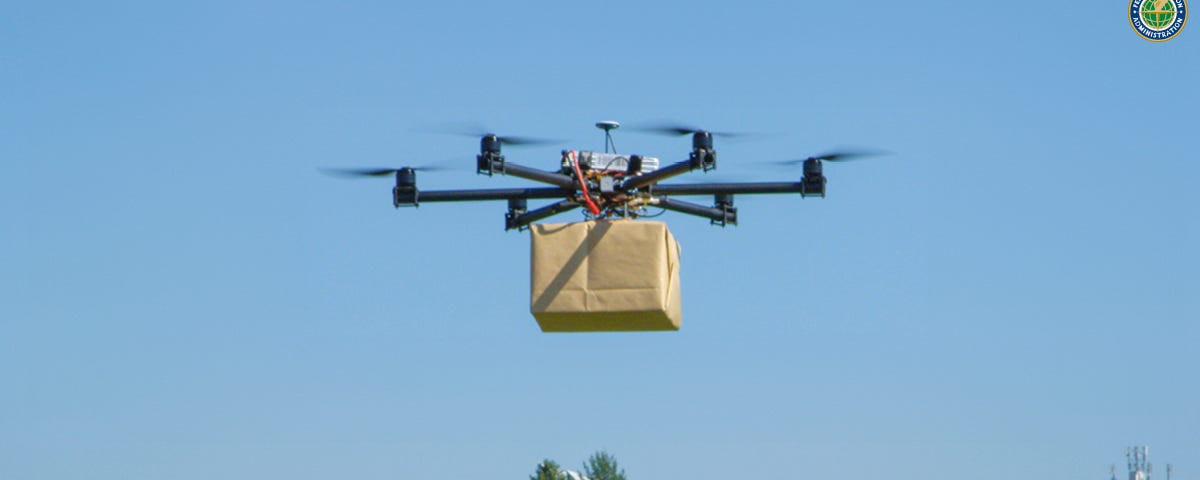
(608, 126)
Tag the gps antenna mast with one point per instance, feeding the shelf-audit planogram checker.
(608, 126)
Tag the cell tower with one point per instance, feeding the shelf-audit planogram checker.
(1136, 458)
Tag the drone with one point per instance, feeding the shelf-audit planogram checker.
(608, 184)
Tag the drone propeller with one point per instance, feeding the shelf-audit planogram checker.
(836, 156)
(510, 140)
(376, 172)
(477, 131)
(676, 129)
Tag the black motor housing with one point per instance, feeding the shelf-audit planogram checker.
(405, 192)
(814, 179)
(703, 156)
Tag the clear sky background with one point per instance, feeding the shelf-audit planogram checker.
(1013, 293)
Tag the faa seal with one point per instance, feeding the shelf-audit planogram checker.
(1157, 20)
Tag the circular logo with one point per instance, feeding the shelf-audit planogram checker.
(1157, 20)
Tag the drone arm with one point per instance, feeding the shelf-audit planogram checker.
(659, 175)
(729, 188)
(527, 218)
(498, 165)
(716, 215)
(493, 194)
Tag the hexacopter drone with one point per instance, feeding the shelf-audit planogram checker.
(608, 184)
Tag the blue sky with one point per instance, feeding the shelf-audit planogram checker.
(185, 296)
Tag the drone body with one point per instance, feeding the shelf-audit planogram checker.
(606, 275)
(608, 184)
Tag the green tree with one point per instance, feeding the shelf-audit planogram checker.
(602, 466)
(547, 470)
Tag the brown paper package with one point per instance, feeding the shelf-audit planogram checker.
(598, 276)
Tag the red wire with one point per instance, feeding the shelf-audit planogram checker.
(583, 184)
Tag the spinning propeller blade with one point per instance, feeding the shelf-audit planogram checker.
(477, 131)
(836, 156)
(523, 141)
(376, 172)
(677, 129)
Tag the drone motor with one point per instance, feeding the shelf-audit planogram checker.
(703, 156)
(405, 192)
(814, 179)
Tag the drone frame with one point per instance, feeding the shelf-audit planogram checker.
(574, 190)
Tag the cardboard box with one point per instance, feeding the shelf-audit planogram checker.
(603, 276)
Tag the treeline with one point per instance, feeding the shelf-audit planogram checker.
(600, 466)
